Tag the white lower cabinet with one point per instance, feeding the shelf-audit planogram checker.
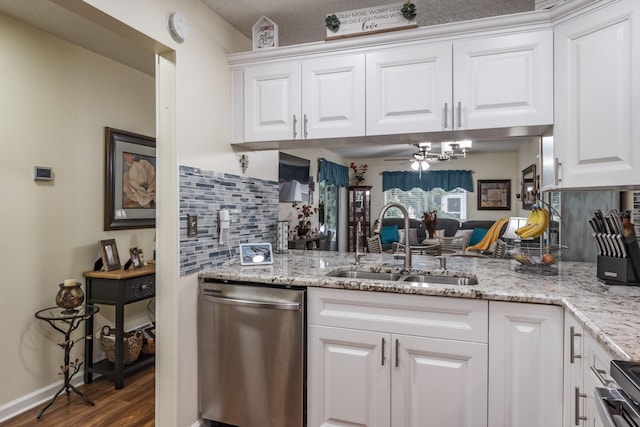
(388, 378)
(525, 365)
(380, 359)
(586, 367)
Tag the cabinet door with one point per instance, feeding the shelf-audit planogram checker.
(503, 81)
(574, 390)
(333, 97)
(409, 89)
(596, 374)
(349, 377)
(525, 365)
(272, 95)
(438, 383)
(596, 98)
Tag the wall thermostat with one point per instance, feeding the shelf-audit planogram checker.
(42, 173)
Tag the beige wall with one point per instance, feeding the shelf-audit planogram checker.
(193, 94)
(56, 100)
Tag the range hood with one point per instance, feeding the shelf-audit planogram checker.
(405, 138)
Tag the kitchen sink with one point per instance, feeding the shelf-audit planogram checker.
(469, 279)
(439, 277)
(357, 274)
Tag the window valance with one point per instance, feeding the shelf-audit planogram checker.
(446, 179)
(333, 173)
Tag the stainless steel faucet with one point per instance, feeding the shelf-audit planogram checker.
(405, 214)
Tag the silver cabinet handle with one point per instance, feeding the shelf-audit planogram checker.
(295, 124)
(382, 351)
(254, 304)
(557, 174)
(600, 373)
(459, 114)
(446, 115)
(577, 397)
(397, 358)
(572, 345)
(305, 126)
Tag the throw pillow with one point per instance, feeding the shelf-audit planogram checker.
(477, 235)
(466, 234)
(389, 234)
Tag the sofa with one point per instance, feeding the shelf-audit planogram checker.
(450, 227)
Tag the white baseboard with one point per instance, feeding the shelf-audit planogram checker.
(33, 399)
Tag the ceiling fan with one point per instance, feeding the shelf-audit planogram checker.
(448, 151)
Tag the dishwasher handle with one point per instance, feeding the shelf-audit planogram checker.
(274, 305)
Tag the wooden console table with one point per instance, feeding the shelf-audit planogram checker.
(117, 288)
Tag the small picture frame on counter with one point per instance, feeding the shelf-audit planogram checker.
(136, 262)
(256, 254)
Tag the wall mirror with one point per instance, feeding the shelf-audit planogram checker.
(529, 189)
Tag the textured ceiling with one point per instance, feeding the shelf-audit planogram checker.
(302, 21)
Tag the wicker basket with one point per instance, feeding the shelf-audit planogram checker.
(148, 346)
(132, 345)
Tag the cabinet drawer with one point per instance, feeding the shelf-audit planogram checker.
(140, 288)
(427, 316)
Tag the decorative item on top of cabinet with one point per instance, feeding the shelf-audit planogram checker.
(371, 20)
(265, 34)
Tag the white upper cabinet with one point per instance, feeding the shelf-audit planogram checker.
(597, 99)
(409, 89)
(272, 101)
(315, 98)
(333, 97)
(503, 81)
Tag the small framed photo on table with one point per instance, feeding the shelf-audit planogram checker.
(256, 254)
(136, 262)
(109, 254)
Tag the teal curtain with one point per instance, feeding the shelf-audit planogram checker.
(446, 179)
(333, 173)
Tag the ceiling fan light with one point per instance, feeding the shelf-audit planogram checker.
(415, 165)
(424, 165)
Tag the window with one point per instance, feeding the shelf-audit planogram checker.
(448, 204)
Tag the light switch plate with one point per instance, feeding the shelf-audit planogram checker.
(192, 225)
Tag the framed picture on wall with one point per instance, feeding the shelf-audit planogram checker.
(130, 180)
(494, 194)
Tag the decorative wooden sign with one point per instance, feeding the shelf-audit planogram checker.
(265, 34)
(376, 19)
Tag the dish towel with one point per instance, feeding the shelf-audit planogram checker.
(491, 236)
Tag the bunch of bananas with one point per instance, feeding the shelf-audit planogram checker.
(537, 223)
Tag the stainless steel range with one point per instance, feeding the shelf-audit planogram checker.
(619, 406)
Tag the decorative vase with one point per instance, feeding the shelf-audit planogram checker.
(303, 231)
(69, 297)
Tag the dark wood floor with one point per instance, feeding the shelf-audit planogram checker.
(131, 406)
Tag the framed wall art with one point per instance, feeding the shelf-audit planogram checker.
(130, 180)
(109, 254)
(494, 194)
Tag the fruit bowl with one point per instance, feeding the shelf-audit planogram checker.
(536, 259)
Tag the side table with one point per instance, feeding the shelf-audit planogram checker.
(117, 288)
(66, 321)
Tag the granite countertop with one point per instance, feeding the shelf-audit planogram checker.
(608, 313)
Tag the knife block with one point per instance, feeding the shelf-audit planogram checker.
(616, 271)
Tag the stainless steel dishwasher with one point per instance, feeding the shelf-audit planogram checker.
(251, 355)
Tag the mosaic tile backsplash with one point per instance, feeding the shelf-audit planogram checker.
(252, 203)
